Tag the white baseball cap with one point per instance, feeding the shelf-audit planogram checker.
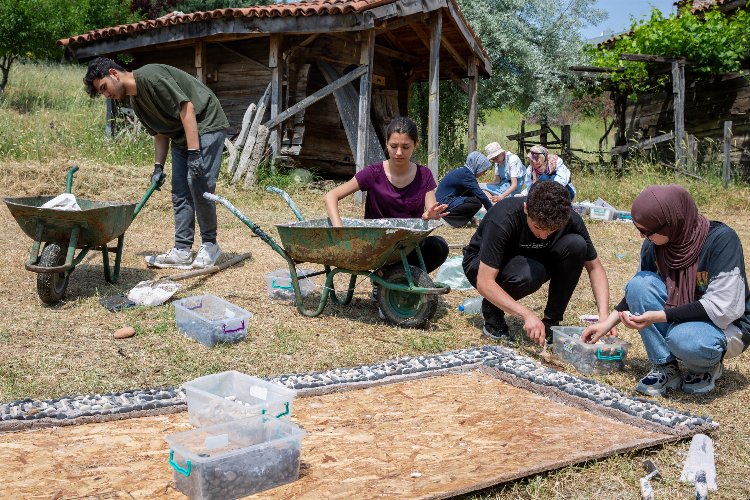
(493, 150)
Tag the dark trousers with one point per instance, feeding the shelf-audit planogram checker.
(434, 252)
(561, 265)
(462, 214)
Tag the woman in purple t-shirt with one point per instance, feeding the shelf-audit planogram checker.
(397, 188)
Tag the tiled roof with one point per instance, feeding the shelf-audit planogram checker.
(299, 9)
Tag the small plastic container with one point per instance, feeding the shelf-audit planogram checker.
(210, 319)
(235, 459)
(602, 213)
(279, 283)
(606, 356)
(232, 395)
(623, 216)
(589, 319)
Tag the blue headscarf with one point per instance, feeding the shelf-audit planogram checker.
(477, 163)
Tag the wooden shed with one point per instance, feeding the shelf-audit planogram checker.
(708, 113)
(337, 71)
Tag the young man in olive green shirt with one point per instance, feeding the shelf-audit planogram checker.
(174, 107)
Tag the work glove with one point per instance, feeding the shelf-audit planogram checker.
(158, 176)
(195, 162)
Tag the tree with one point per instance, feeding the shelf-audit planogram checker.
(31, 28)
(531, 44)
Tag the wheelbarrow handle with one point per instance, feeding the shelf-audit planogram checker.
(288, 200)
(145, 198)
(69, 179)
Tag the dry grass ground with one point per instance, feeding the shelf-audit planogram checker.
(69, 348)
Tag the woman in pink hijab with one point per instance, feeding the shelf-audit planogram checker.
(690, 299)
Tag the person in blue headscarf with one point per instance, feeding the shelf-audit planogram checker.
(459, 189)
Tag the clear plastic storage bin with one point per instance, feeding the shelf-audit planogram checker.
(606, 356)
(210, 319)
(235, 459)
(279, 284)
(232, 395)
(602, 213)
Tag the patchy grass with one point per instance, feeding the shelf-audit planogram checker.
(69, 349)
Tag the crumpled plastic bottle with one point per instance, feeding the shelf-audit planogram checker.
(471, 305)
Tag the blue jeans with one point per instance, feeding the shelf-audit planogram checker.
(698, 344)
(187, 192)
(503, 186)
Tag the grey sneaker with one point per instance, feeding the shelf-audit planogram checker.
(207, 256)
(659, 379)
(174, 258)
(701, 383)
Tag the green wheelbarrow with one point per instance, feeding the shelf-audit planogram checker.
(58, 233)
(375, 249)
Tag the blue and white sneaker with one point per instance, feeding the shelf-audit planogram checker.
(659, 379)
(701, 383)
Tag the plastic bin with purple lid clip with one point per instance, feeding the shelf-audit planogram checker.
(210, 319)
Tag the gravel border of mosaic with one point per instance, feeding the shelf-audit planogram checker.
(71, 410)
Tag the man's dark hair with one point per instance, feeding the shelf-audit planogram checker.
(98, 68)
(548, 205)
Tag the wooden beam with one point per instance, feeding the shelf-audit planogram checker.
(678, 91)
(367, 51)
(647, 143)
(425, 37)
(200, 60)
(727, 170)
(471, 140)
(652, 58)
(595, 69)
(474, 46)
(397, 54)
(315, 97)
(274, 62)
(243, 56)
(459, 83)
(433, 120)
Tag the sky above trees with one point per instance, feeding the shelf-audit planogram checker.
(620, 13)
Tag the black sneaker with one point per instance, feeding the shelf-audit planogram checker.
(497, 332)
(548, 324)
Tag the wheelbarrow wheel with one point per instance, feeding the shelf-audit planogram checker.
(408, 309)
(51, 286)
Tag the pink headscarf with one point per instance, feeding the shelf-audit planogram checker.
(550, 162)
(672, 212)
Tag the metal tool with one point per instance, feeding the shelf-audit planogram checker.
(699, 467)
(647, 491)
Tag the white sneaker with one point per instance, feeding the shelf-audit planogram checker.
(174, 258)
(701, 383)
(207, 256)
(659, 379)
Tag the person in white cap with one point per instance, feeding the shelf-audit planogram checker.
(509, 172)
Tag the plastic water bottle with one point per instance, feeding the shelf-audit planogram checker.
(472, 305)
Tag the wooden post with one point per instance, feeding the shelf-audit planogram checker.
(200, 60)
(522, 141)
(436, 29)
(726, 171)
(366, 55)
(543, 134)
(471, 141)
(274, 62)
(691, 153)
(565, 142)
(678, 90)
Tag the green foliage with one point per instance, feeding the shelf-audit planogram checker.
(531, 44)
(712, 43)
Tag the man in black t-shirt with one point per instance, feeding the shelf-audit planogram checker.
(524, 242)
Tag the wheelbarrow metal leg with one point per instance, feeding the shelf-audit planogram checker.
(111, 276)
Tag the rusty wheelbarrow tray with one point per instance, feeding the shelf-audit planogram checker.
(54, 231)
(376, 249)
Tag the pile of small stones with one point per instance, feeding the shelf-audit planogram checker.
(70, 407)
(497, 357)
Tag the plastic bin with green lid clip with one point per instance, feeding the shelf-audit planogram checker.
(232, 395)
(606, 356)
(235, 459)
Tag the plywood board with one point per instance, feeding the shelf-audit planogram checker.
(427, 438)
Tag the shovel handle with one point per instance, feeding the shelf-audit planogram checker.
(207, 270)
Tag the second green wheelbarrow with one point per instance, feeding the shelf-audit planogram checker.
(58, 233)
(375, 249)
